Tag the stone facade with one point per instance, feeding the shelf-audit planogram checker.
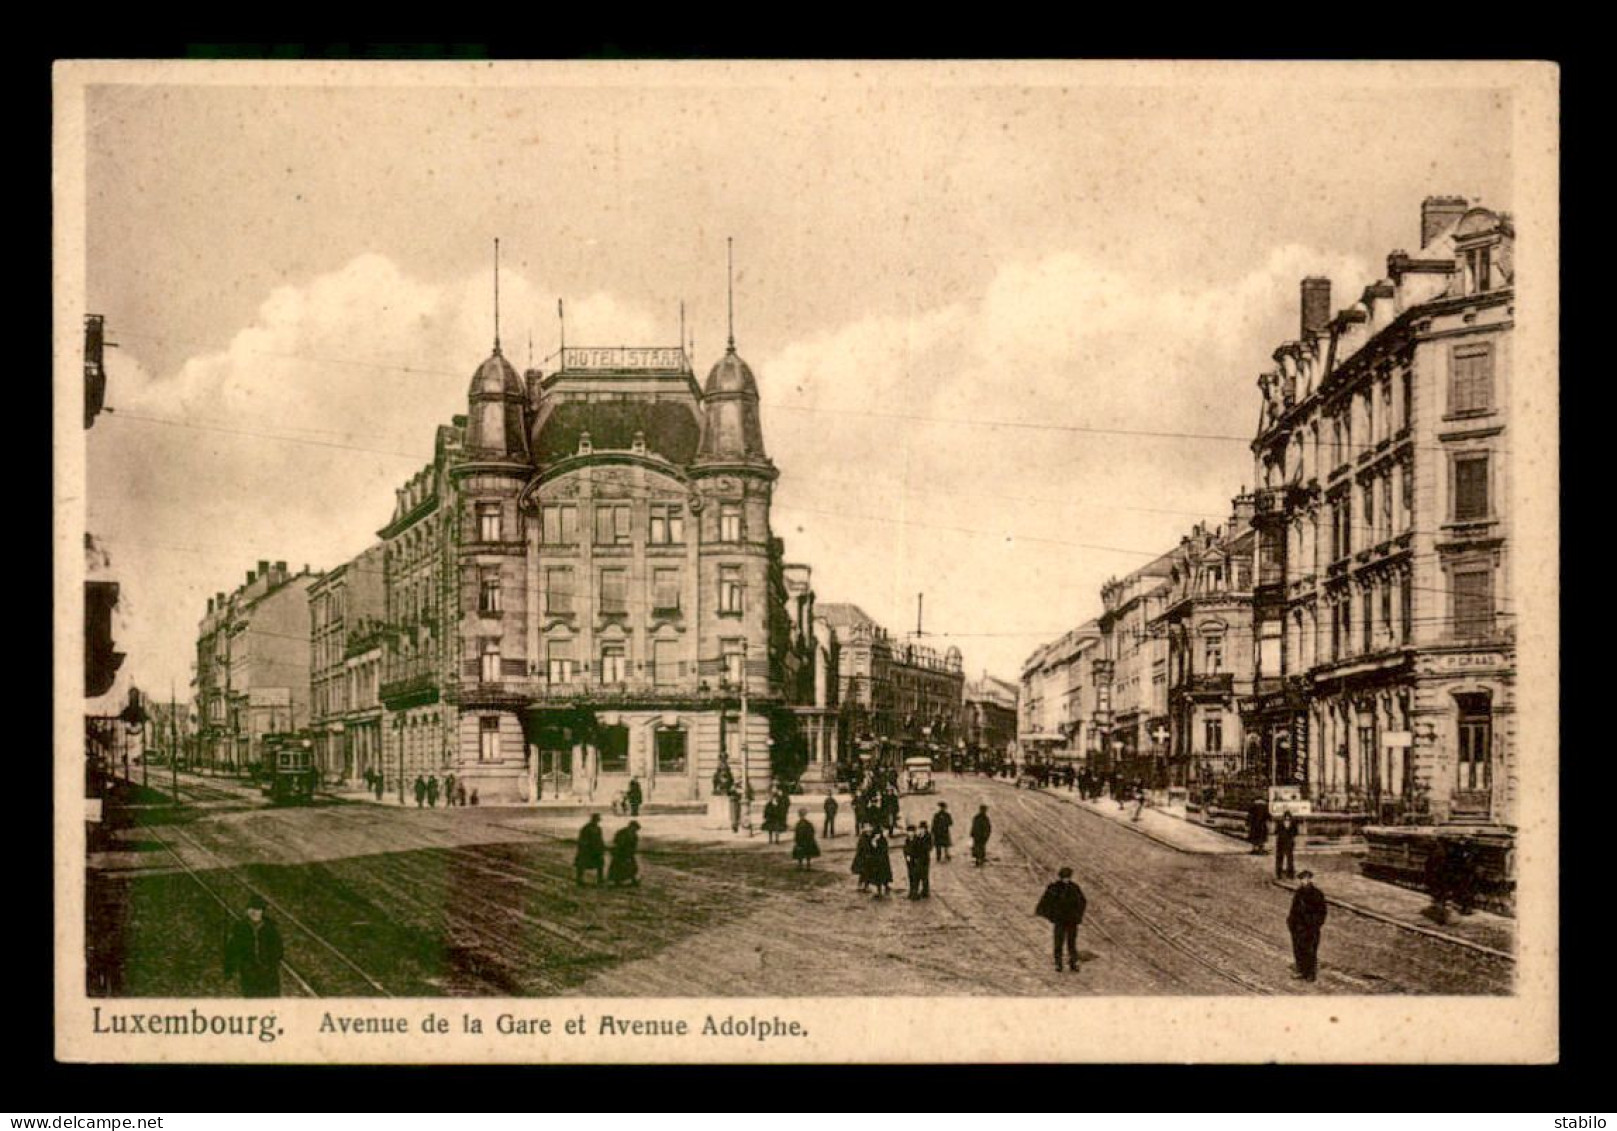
(346, 602)
(253, 665)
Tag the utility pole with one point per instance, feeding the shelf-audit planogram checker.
(173, 744)
(746, 763)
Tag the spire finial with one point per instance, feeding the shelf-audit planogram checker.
(730, 263)
(496, 294)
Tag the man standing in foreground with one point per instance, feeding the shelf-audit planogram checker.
(591, 854)
(1063, 904)
(254, 951)
(1305, 922)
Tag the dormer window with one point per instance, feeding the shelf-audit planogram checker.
(1479, 270)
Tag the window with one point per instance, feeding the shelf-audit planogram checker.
(488, 591)
(488, 745)
(1479, 269)
(614, 592)
(1471, 378)
(1386, 408)
(1476, 743)
(1470, 488)
(1367, 619)
(1213, 654)
(671, 748)
(488, 522)
(1406, 611)
(613, 744)
(1369, 400)
(1347, 627)
(1213, 736)
(730, 524)
(733, 662)
(1406, 475)
(1386, 507)
(559, 660)
(665, 590)
(612, 525)
(1473, 601)
(1370, 511)
(613, 665)
(1386, 611)
(667, 524)
(729, 589)
(665, 661)
(1407, 380)
(559, 591)
(560, 525)
(1337, 451)
(490, 670)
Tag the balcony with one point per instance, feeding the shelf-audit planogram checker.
(1215, 683)
(421, 687)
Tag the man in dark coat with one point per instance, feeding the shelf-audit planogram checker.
(1306, 919)
(981, 829)
(911, 884)
(1257, 826)
(942, 836)
(1463, 868)
(1286, 830)
(878, 864)
(889, 809)
(830, 816)
(921, 883)
(449, 791)
(625, 856)
(804, 847)
(591, 854)
(636, 796)
(861, 858)
(1063, 904)
(420, 792)
(253, 950)
(432, 792)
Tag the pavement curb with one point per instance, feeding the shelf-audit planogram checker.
(1131, 826)
(1441, 936)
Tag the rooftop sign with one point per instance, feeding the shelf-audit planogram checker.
(650, 358)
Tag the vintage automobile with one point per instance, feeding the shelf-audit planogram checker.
(918, 776)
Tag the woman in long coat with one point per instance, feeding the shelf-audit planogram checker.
(878, 864)
(861, 859)
(775, 817)
(591, 854)
(804, 848)
(625, 867)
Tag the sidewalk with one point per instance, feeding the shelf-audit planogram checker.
(1345, 887)
(1174, 832)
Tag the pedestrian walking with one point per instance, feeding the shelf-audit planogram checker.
(1139, 801)
(910, 883)
(1257, 826)
(804, 847)
(878, 864)
(635, 797)
(591, 854)
(1286, 830)
(735, 808)
(381, 784)
(449, 791)
(942, 831)
(981, 829)
(775, 810)
(890, 809)
(1463, 874)
(1305, 921)
(861, 858)
(460, 794)
(474, 797)
(830, 828)
(420, 792)
(923, 862)
(625, 867)
(253, 951)
(1063, 904)
(432, 792)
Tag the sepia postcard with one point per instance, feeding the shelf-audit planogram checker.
(675, 562)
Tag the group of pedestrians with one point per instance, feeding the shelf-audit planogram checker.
(925, 843)
(375, 783)
(591, 855)
(427, 792)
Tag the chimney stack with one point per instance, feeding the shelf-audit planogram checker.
(210, 606)
(1316, 305)
(219, 600)
(263, 567)
(251, 577)
(1437, 213)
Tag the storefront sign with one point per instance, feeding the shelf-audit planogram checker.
(625, 357)
(1468, 661)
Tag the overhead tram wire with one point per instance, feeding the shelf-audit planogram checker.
(919, 418)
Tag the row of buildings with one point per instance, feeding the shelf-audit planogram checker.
(1348, 632)
(583, 587)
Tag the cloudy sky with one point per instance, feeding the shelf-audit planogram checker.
(1006, 325)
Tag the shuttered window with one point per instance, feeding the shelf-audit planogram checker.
(1471, 379)
(1473, 601)
(1470, 488)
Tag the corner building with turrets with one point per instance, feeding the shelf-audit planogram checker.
(585, 588)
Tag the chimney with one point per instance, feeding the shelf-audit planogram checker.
(1316, 305)
(210, 605)
(219, 600)
(1438, 213)
(251, 577)
(263, 568)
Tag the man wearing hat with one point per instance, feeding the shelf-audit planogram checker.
(1305, 921)
(1063, 905)
(254, 950)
